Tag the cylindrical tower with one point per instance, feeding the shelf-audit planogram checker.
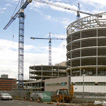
(86, 55)
(86, 46)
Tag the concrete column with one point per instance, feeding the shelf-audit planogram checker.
(71, 56)
(97, 52)
(80, 51)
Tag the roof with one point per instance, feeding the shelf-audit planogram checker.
(45, 67)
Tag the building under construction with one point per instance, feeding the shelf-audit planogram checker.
(86, 53)
(39, 73)
(46, 72)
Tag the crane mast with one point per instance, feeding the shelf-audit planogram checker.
(20, 14)
(50, 46)
(78, 13)
(21, 50)
(50, 50)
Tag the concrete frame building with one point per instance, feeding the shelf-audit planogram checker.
(46, 72)
(56, 83)
(34, 85)
(38, 74)
(86, 53)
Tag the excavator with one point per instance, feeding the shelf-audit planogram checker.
(62, 95)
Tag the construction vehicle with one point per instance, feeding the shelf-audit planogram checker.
(62, 95)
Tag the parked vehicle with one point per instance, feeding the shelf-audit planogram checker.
(5, 96)
(35, 97)
(97, 102)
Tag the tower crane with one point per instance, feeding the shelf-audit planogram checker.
(66, 8)
(20, 14)
(78, 13)
(50, 45)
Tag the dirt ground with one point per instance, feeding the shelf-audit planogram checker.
(75, 104)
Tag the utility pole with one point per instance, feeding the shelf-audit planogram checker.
(83, 82)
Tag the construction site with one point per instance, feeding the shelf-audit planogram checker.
(37, 75)
(80, 79)
(85, 59)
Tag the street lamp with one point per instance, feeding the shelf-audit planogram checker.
(83, 82)
(69, 78)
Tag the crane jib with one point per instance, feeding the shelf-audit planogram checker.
(17, 13)
(25, 4)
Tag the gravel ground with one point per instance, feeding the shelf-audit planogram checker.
(75, 104)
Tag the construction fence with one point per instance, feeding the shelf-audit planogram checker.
(46, 95)
(89, 97)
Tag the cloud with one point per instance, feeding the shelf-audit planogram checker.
(59, 53)
(92, 2)
(58, 36)
(2, 9)
(9, 57)
(63, 21)
(94, 5)
(12, 0)
(8, 5)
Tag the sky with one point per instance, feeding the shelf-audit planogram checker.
(40, 20)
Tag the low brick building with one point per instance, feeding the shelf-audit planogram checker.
(7, 84)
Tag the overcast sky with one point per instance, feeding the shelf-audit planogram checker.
(40, 19)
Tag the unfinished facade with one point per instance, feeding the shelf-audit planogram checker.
(86, 46)
(38, 74)
(46, 72)
(86, 53)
